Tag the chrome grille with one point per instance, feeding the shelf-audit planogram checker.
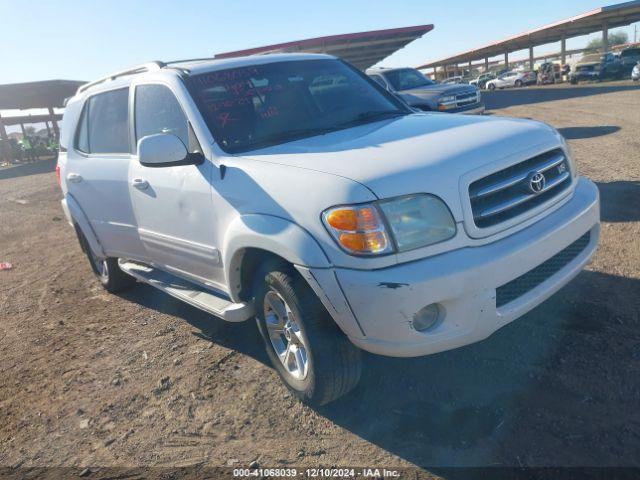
(466, 98)
(508, 193)
(530, 280)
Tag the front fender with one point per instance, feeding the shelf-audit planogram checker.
(273, 234)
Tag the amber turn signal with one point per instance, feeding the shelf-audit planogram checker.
(358, 229)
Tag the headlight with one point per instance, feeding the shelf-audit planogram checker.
(447, 102)
(447, 99)
(569, 152)
(412, 221)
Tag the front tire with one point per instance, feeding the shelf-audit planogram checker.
(491, 87)
(518, 83)
(312, 356)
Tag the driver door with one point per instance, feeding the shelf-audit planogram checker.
(172, 204)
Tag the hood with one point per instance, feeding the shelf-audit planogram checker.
(588, 64)
(422, 152)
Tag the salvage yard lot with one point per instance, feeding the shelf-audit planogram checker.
(88, 378)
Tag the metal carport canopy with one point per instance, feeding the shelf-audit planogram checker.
(45, 94)
(612, 16)
(362, 49)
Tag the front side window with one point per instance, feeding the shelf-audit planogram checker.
(157, 111)
(104, 124)
(261, 105)
(406, 79)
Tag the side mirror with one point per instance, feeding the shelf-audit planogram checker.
(165, 150)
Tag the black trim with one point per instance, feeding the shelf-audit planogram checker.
(196, 158)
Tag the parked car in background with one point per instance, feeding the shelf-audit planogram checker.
(512, 79)
(629, 58)
(481, 80)
(422, 232)
(454, 80)
(424, 94)
(635, 73)
(596, 66)
(549, 72)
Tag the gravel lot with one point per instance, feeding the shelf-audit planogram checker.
(89, 378)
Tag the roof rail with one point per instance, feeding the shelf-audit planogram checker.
(145, 67)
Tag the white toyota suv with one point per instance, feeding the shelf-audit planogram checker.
(294, 190)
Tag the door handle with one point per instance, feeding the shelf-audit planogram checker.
(140, 183)
(74, 178)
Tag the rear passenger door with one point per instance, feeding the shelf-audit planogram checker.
(97, 171)
(173, 204)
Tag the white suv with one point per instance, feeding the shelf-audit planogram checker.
(294, 190)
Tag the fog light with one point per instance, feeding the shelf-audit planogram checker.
(427, 317)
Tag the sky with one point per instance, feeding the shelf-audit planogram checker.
(83, 40)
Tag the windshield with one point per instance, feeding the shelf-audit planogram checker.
(594, 58)
(630, 52)
(406, 79)
(262, 105)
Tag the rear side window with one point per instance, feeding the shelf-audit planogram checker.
(104, 124)
(157, 111)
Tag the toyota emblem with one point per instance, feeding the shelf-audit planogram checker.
(537, 182)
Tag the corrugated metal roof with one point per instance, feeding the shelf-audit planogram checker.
(614, 15)
(362, 49)
(48, 93)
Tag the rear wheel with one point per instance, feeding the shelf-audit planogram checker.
(106, 269)
(316, 361)
(491, 87)
(518, 83)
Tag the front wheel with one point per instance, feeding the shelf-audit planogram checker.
(518, 83)
(316, 361)
(492, 87)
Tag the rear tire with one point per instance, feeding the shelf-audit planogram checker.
(106, 269)
(491, 87)
(518, 83)
(312, 356)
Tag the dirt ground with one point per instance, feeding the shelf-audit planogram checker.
(88, 378)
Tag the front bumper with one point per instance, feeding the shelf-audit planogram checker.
(464, 282)
(586, 75)
(475, 109)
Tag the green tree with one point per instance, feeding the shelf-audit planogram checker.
(615, 38)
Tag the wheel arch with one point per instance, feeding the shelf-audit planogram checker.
(253, 239)
(79, 220)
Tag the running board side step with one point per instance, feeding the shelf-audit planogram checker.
(212, 302)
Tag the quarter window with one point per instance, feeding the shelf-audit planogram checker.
(158, 111)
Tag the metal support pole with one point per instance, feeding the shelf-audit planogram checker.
(469, 67)
(486, 64)
(5, 151)
(23, 132)
(531, 58)
(563, 51)
(506, 60)
(54, 123)
(605, 37)
(46, 124)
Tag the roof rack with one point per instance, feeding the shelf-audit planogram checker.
(145, 67)
(187, 60)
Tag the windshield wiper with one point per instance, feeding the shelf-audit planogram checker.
(288, 135)
(373, 115)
